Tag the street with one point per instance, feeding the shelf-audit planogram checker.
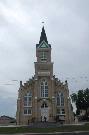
(68, 133)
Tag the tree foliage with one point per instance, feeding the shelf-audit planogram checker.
(81, 99)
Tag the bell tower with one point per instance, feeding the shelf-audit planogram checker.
(43, 78)
(43, 66)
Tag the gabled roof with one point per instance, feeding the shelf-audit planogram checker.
(43, 44)
(4, 116)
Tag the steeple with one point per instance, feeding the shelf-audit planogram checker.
(43, 36)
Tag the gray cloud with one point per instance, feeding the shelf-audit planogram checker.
(67, 28)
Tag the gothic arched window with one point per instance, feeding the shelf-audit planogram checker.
(28, 103)
(44, 89)
(60, 99)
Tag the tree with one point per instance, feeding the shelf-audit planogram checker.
(81, 99)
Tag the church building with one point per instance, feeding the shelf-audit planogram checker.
(43, 97)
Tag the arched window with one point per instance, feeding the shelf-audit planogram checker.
(60, 99)
(44, 89)
(28, 103)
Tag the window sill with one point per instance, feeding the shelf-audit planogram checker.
(28, 106)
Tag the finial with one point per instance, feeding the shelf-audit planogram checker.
(43, 24)
(43, 35)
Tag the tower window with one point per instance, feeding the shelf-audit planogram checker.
(44, 89)
(28, 103)
(60, 99)
(43, 56)
(60, 111)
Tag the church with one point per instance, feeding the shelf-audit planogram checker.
(43, 98)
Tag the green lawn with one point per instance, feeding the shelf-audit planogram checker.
(10, 130)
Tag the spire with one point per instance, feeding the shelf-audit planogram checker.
(43, 36)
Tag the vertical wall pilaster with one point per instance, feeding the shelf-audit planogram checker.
(35, 100)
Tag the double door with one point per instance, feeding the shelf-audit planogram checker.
(44, 114)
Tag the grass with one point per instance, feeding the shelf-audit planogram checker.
(71, 128)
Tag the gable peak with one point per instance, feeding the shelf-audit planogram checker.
(43, 44)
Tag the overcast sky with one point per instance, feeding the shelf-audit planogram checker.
(67, 30)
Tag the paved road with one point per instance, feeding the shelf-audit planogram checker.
(74, 133)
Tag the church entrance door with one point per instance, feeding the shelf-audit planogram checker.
(44, 112)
